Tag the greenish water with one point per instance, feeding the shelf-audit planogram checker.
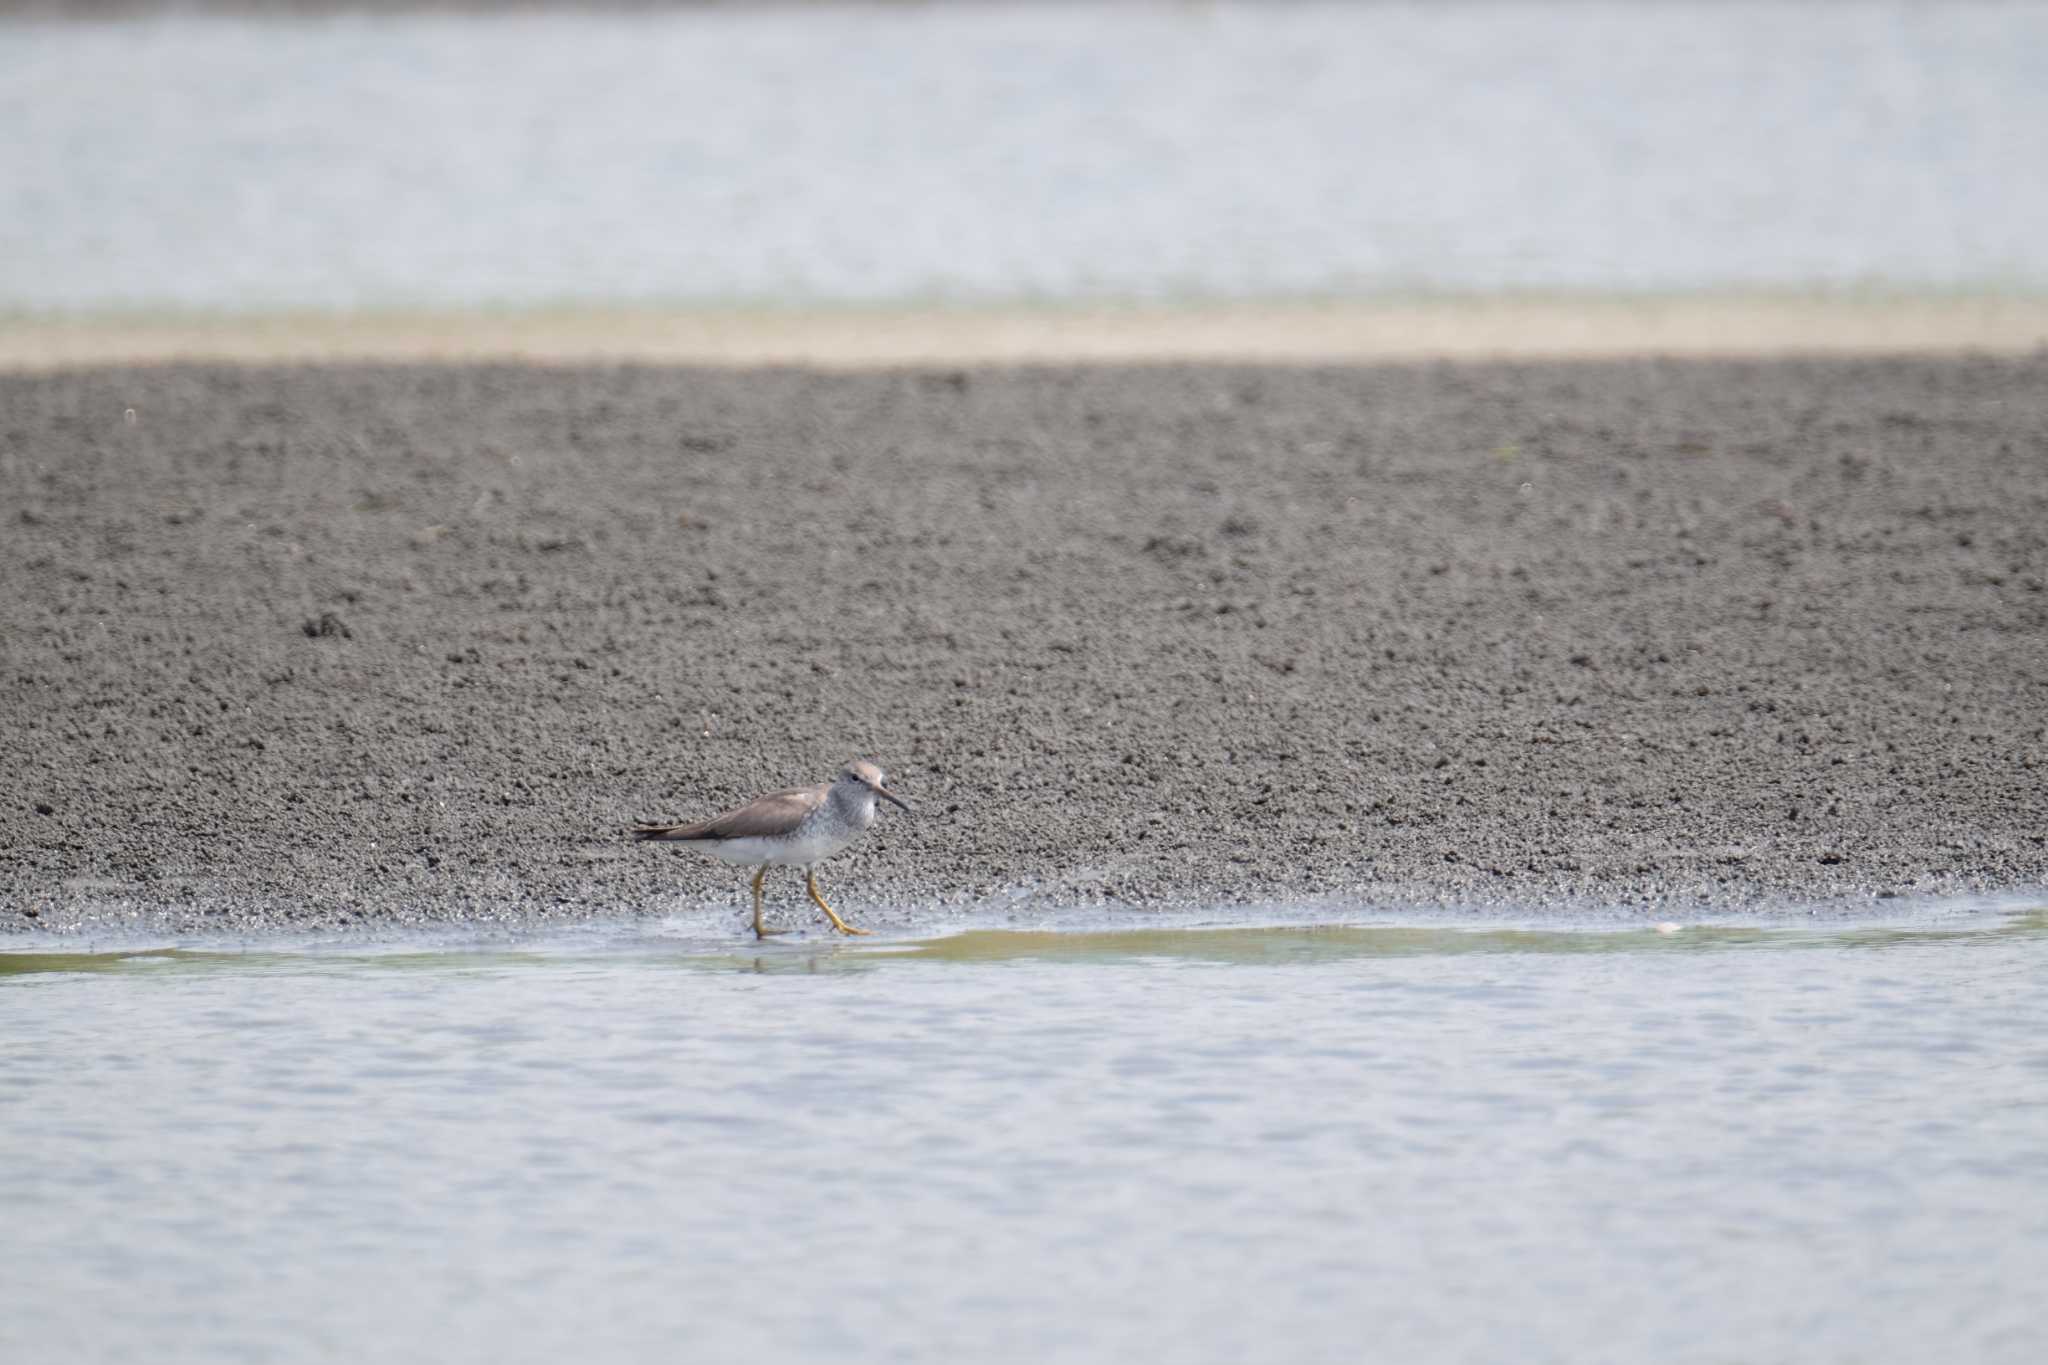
(1424, 1142)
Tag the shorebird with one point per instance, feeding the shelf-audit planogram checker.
(800, 827)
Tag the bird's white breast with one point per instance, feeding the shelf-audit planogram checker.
(801, 851)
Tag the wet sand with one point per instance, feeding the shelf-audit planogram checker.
(317, 646)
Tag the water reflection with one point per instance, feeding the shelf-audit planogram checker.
(1226, 1143)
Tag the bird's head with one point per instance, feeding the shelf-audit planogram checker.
(862, 774)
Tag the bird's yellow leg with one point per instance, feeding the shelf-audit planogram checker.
(761, 930)
(811, 885)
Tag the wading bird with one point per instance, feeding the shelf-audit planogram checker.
(800, 827)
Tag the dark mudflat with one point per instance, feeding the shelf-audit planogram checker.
(320, 645)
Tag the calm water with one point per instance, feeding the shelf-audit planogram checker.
(798, 154)
(1435, 1143)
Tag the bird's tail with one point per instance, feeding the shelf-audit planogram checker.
(641, 833)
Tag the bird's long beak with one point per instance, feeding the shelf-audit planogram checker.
(892, 797)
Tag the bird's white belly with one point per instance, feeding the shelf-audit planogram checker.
(801, 851)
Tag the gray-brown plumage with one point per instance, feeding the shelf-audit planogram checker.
(800, 827)
(764, 817)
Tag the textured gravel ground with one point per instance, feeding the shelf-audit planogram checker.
(320, 646)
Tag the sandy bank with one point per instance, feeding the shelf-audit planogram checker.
(1714, 325)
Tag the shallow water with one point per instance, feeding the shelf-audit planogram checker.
(1422, 1142)
(798, 154)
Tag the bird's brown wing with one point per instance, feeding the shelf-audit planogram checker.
(764, 816)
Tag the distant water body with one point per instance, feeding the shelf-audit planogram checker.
(803, 155)
(1356, 1142)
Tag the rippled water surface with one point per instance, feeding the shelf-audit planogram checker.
(791, 154)
(1421, 1143)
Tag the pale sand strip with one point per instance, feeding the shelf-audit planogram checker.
(854, 338)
